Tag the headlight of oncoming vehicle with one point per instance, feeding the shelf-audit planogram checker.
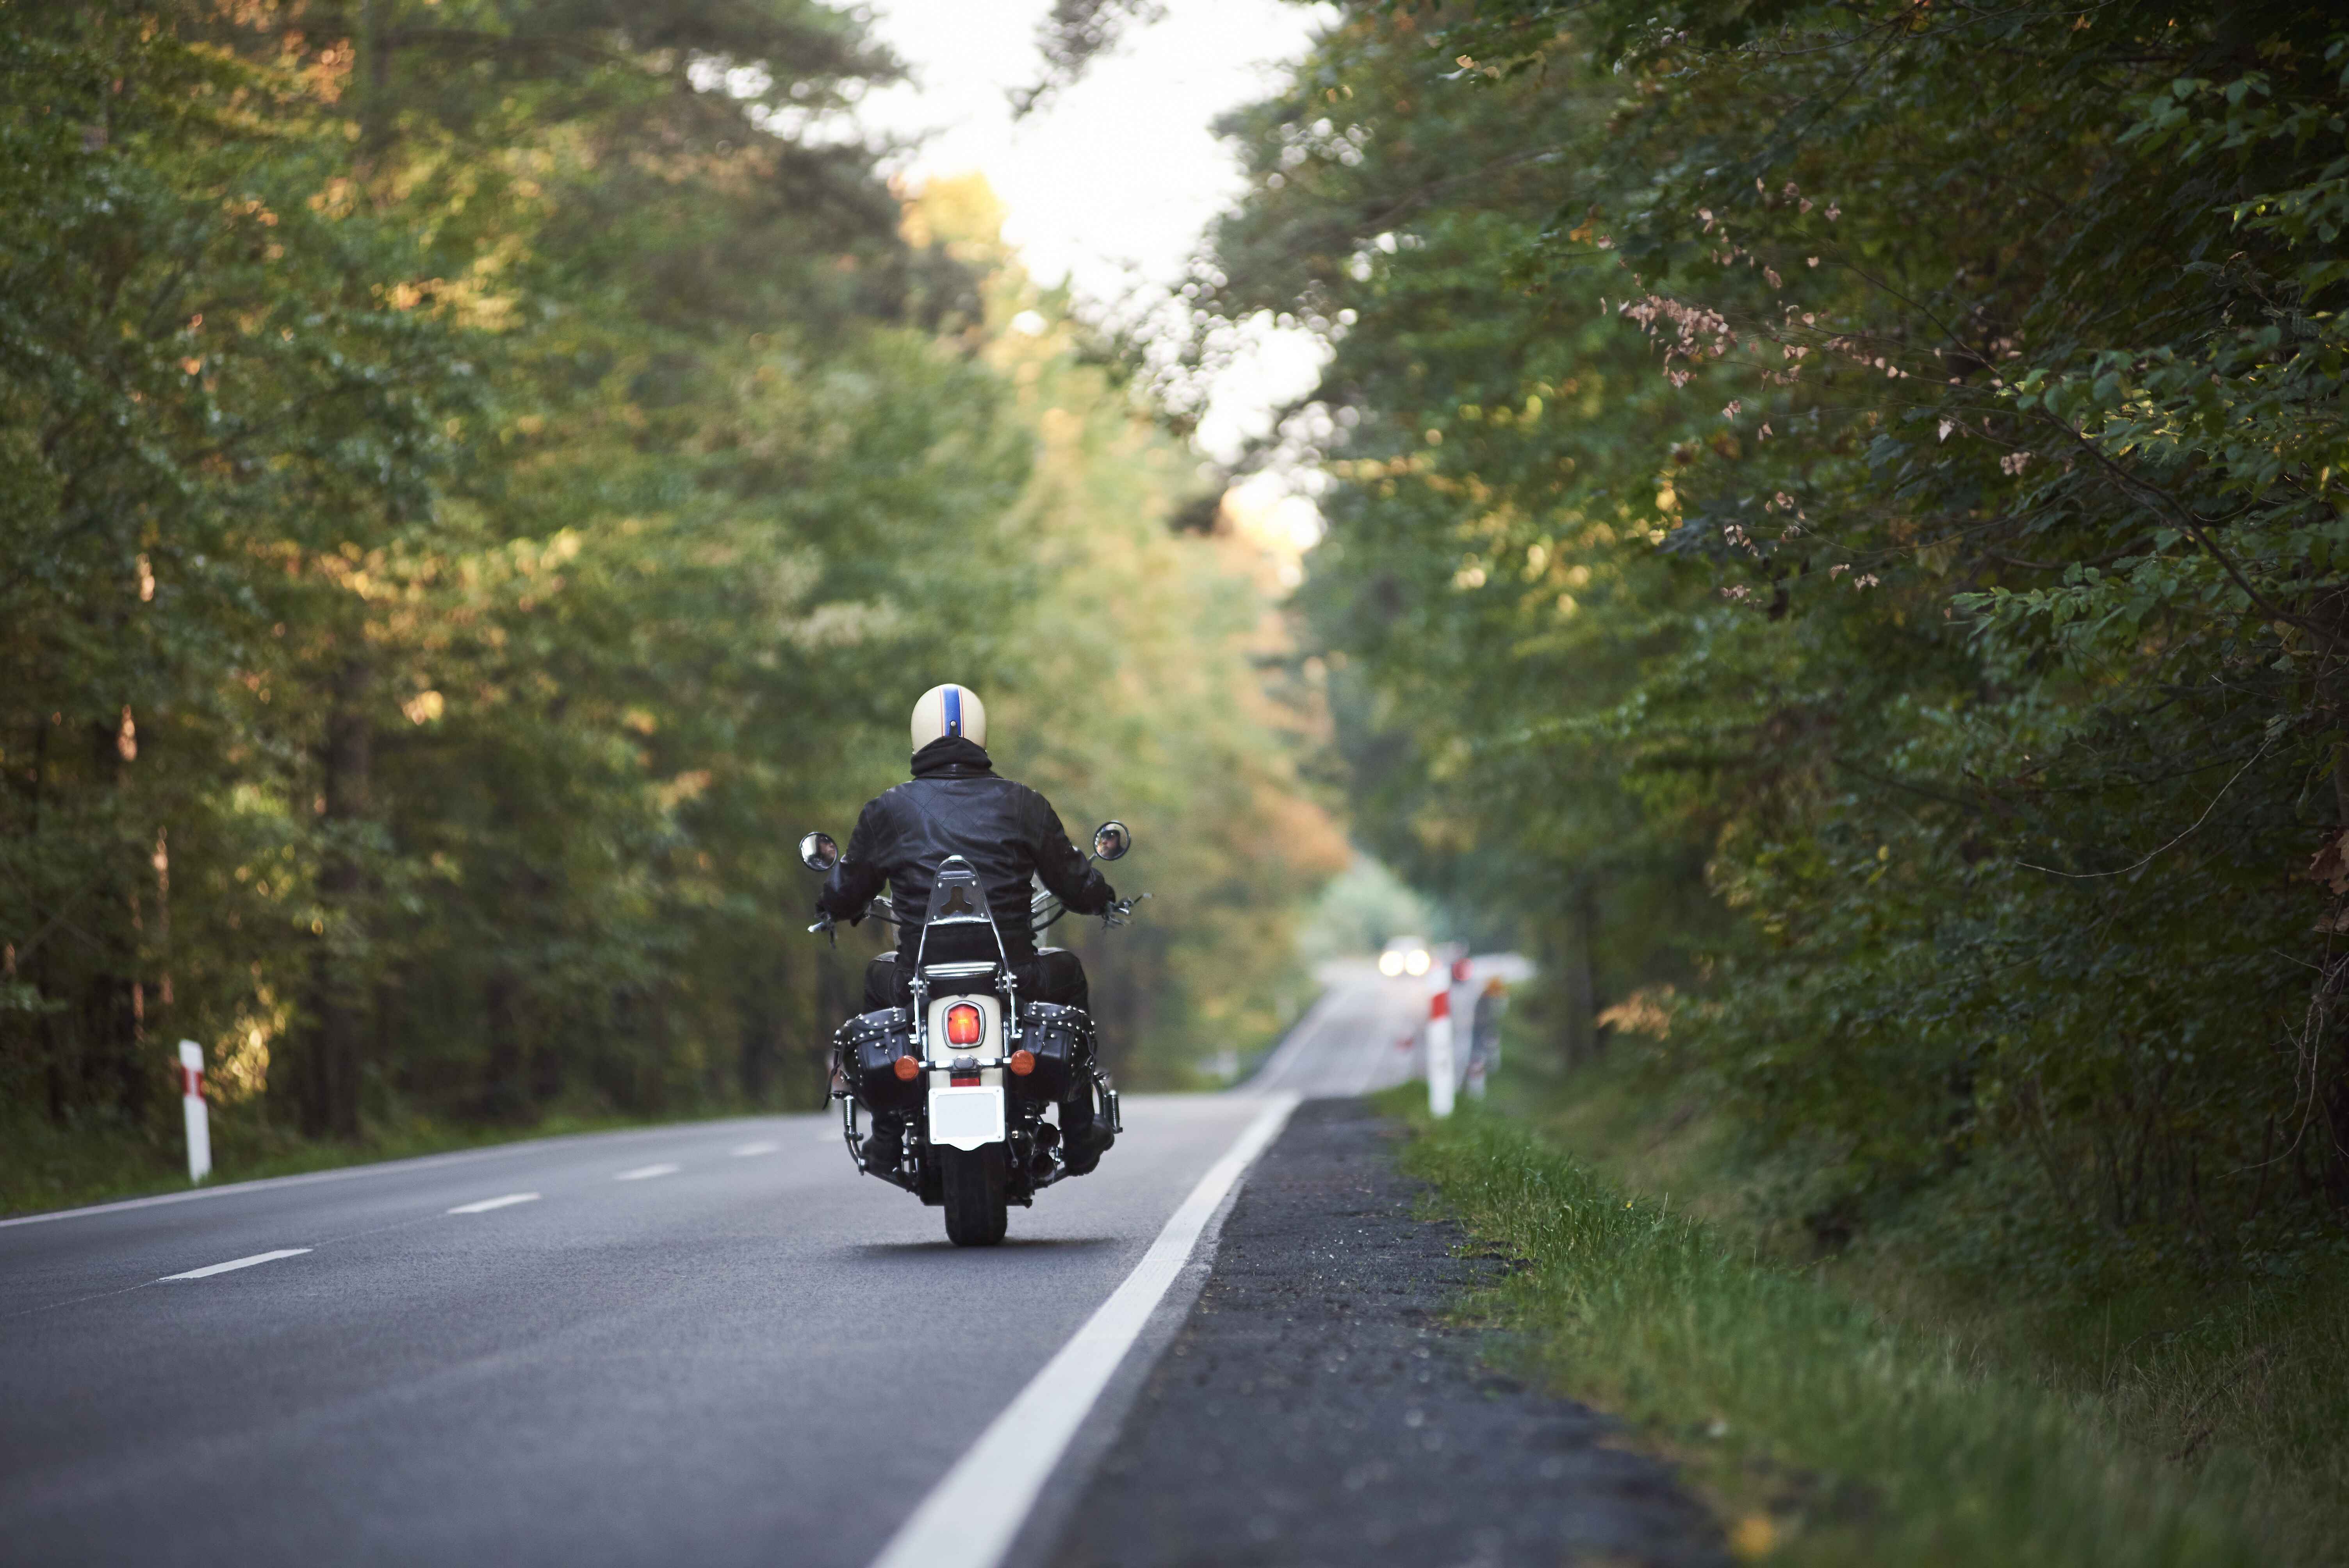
(1415, 961)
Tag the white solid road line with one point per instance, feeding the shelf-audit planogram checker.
(236, 1264)
(486, 1204)
(970, 1517)
(750, 1148)
(646, 1172)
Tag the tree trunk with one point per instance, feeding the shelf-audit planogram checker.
(2325, 1050)
(652, 1073)
(158, 1007)
(335, 1025)
(375, 93)
(756, 1041)
(328, 1062)
(503, 1096)
(1580, 1035)
(114, 1071)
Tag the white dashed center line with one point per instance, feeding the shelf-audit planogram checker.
(750, 1148)
(646, 1172)
(235, 1263)
(486, 1204)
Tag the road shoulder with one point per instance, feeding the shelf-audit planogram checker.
(1318, 1409)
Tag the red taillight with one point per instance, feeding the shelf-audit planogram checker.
(964, 1026)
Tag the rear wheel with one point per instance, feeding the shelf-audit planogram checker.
(974, 1203)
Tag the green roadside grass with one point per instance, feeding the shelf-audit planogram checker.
(1827, 1429)
(44, 1166)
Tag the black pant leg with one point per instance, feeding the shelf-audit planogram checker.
(881, 991)
(1071, 981)
(881, 984)
(1056, 974)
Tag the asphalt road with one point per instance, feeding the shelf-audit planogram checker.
(1322, 1409)
(709, 1343)
(1360, 1036)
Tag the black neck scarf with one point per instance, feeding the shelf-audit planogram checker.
(952, 757)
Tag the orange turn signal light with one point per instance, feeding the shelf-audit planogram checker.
(906, 1068)
(1023, 1062)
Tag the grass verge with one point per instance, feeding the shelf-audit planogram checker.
(1833, 1434)
(2180, 1362)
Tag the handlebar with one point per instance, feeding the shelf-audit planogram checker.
(1118, 912)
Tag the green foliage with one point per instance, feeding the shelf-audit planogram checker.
(1837, 1435)
(477, 481)
(1855, 493)
(2258, 1372)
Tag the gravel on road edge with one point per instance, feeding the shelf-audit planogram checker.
(1318, 1408)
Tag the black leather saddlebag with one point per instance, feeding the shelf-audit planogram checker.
(868, 1046)
(1063, 1040)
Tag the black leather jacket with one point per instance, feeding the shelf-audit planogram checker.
(955, 805)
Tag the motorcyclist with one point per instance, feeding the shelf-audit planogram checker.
(956, 804)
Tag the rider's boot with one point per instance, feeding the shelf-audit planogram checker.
(1082, 1133)
(885, 1145)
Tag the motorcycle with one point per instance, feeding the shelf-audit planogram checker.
(970, 1067)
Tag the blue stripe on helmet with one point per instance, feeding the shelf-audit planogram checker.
(954, 710)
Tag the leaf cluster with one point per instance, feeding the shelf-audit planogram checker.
(1857, 489)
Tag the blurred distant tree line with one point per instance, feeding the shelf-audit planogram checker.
(477, 480)
(1841, 535)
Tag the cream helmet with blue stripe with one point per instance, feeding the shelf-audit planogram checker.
(949, 710)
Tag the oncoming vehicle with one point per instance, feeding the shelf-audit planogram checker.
(1405, 955)
(970, 1066)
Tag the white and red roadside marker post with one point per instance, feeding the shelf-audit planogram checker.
(1463, 1007)
(1438, 1047)
(192, 1105)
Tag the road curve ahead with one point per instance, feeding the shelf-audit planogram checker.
(709, 1344)
(1366, 1031)
(1362, 1035)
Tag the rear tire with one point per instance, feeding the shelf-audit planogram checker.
(977, 1208)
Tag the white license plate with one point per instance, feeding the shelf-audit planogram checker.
(967, 1117)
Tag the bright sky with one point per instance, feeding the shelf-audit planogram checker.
(1112, 182)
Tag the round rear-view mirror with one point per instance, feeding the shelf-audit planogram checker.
(818, 852)
(1112, 839)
